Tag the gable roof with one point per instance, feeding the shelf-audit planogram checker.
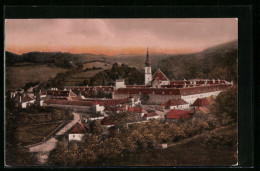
(65, 93)
(204, 109)
(203, 101)
(27, 98)
(150, 114)
(79, 128)
(176, 114)
(160, 76)
(175, 102)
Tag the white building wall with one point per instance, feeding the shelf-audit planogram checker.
(120, 84)
(148, 75)
(191, 98)
(76, 137)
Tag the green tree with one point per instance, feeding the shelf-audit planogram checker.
(96, 128)
(226, 106)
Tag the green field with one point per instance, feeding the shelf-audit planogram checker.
(188, 153)
(80, 77)
(19, 75)
(31, 134)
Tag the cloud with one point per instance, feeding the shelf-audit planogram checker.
(23, 35)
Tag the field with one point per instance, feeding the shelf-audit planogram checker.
(79, 78)
(186, 153)
(21, 74)
(31, 134)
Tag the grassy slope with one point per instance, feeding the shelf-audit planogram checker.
(188, 153)
(79, 78)
(31, 134)
(18, 76)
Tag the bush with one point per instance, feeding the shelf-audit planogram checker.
(214, 139)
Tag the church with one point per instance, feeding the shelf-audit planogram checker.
(160, 89)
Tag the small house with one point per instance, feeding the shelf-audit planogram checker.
(77, 132)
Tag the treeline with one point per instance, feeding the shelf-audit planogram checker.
(108, 77)
(129, 139)
(217, 62)
(60, 59)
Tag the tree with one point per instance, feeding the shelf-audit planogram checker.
(226, 106)
(96, 128)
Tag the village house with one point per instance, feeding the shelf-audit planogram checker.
(175, 104)
(174, 114)
(203, 104)
(149, 116)
(77, 132)
(26, 101)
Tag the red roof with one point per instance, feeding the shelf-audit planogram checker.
(136, 109)
(27, 98)
(42, 93)
(173, 91)
(68, 102)
(107, 121)
(150, 114)
(95, 102)
(203, 101)
(176, 114)
(204, 109)
(160, 75)
(65, 93)
(79, 128)
(175, 102)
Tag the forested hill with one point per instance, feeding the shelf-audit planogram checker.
(61, 59)
(216, 62)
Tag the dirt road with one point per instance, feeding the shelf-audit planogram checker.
(44, 148)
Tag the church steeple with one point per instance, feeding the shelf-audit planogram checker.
(147, 69)
(147, 62)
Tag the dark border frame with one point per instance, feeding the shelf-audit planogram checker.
(245, 43)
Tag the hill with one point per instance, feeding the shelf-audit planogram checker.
(60, 59)
(215, 62)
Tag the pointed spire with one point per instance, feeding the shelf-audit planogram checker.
(147, 62)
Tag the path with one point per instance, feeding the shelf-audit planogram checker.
(44, 148)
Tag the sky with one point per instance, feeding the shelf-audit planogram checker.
(118, 36)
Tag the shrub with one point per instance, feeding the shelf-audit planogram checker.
(214, 139)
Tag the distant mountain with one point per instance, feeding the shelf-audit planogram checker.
(61, 59)
(216, 62)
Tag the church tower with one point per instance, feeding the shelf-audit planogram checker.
(147, 69)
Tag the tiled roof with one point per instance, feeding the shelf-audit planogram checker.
(150, 114)
(203, 101)
(65, 93)
(27, 98)
(68, 102)
(87, 103)
(159, 75)
(175, 102)
(148, 91)
(92, 88)
(107, 121)
(137, 109)
(204, 109)
(79, 128)
(173, 91)
(176, 114)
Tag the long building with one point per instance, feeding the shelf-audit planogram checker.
(159, 88)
